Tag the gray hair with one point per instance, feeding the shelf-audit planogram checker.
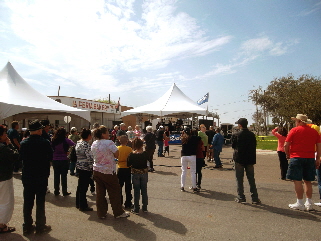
(149, 128)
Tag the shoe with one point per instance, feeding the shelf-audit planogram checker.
(198, 186)
(182, 189)
(317, 204)
(129, 206)
(308, 206)
(240, 200)
(195, 190)
(134, 211)
(16, 173)
(7, 229)
(93, 193)
(86, 209)
(56, 193)
(297, 206)
(161, 155)
(257, 202)
(124, 215)
(145, 210)
(28, 230)
(151, 170)
(45, 229)
(67, 194)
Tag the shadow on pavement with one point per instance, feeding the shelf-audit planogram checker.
(33, 237)
(289, 212)
(128, 228)
(215, 195)
(165, 223)
(165, 173)
(67, 201)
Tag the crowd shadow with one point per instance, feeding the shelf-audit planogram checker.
(68, 201)
(215, 195)
(290, 212)
(166, 173)
(33, 237)
(125, 226)
(165, 223)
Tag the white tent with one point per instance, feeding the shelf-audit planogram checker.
(17, 96)
(173, 103)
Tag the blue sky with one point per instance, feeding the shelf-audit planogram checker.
(136, 50)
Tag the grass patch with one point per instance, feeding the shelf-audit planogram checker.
(267, 143)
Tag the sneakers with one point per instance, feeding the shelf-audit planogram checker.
(308, 206)
(124, 215)
(297, 206)
(28, 230)
(135, 211)
(66, 194)
(240, 200)
(182, 189)
(318, 204)
(195, 190)
(257, 202)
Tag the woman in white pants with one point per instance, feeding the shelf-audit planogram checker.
(188, 159)
(8, 155)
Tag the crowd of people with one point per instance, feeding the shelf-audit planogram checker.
(108, 160)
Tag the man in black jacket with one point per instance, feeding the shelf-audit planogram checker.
(36, 154)
(244, 145)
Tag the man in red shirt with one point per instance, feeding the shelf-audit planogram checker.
(300, 146)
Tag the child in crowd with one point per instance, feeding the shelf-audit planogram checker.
(137, 160)
(130, 133)
(123, 172)
(166, 145)
(138, 132)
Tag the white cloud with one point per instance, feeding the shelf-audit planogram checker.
(87, 42)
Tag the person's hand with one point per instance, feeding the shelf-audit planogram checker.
(8, 142)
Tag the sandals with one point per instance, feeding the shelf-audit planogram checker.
(7, 229)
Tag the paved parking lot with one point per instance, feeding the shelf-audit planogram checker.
(211, 214)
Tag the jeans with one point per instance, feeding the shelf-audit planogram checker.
(34, 189)
(319, 180)
(191, 162)
(140, 186)
(239, 173)
(124, 177)
(82, 188)
(283, 164)
(160, 147)
(217, 158)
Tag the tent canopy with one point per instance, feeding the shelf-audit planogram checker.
(17, 96)
(173, 103)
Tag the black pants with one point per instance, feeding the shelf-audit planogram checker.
(60, 171)
(34, 189)
(199, 165)
(150, 153)
(124, 178)
(283, 164)
(82, 188)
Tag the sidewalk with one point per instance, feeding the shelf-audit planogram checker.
(211, 214)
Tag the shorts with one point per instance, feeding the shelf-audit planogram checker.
(301, 168)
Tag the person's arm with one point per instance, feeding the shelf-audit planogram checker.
(116, 154)
(16, 142)
(287, 149)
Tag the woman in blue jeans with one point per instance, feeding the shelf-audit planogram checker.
(137, 160)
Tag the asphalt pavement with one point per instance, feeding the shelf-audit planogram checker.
(211, 214)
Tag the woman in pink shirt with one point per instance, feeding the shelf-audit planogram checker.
(281, 133)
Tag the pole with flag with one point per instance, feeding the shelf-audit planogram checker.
(203, 99)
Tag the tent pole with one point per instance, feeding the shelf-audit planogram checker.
(192, 120)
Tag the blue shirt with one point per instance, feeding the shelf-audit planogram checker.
(218, 142)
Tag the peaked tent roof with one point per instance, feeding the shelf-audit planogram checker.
(17, 96)
(174, 102)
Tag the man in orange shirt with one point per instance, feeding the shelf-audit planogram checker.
(300, 146)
